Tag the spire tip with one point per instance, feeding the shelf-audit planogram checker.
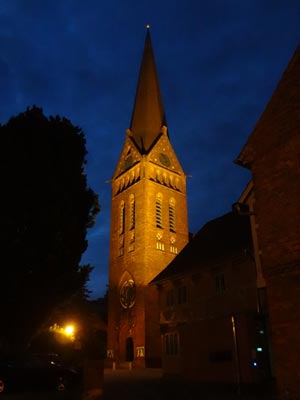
(148, 26)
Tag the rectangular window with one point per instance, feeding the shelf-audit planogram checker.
(110, 354)
(140, 351)
(220, 282)
(173, 249)
(171, 344)
(160, 246)
(182, 295)
(170, 297)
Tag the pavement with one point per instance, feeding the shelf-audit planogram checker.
(149, 384)
(144, 384)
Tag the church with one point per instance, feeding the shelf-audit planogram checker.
(149, 223)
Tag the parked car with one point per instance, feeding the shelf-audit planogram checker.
(36, 372)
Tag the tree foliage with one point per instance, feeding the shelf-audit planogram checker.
(46, 210)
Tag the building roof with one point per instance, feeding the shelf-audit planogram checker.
(148, 114)
(280, 117)
(218, 237)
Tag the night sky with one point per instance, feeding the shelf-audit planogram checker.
(218, 64)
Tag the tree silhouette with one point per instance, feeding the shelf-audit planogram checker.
(46, 209)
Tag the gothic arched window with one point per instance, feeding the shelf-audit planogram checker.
(122, 218)
(158, 211)
(172, 215)
(132, 212)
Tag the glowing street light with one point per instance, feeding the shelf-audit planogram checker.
(69, 330)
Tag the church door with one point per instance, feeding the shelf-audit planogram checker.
(129, 349)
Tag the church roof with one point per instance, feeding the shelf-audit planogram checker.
(148, 114)
(218, 237)
(280, 118)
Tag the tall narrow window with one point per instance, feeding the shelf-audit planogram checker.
(158, 211)
(132, 212)
(220, 282)
(121, 245)
(172, 215)
(171, 344)
(122, 218)
(170, 297)
(182, 295)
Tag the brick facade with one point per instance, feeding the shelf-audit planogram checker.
(146, 250)
(272, 153)
(214, 325)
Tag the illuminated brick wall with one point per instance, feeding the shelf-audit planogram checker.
(140, 253)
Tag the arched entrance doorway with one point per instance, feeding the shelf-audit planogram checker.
(129, 349)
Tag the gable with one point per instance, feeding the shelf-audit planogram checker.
(130, 156)
(163, 154)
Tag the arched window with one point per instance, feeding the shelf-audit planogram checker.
(132, 212)
(158, 211)
(122, 218)
(172, 215)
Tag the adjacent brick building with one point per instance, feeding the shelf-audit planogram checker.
(272, 153)
(211, 318)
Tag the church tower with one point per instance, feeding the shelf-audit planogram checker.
(149, 223)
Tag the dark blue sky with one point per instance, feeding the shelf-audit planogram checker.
(218, 63)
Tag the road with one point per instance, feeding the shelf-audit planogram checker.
(149, 384)
(41, 396)
(143, 384)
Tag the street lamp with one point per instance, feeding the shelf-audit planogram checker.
(69, 330)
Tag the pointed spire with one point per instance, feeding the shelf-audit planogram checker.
(148, 114)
